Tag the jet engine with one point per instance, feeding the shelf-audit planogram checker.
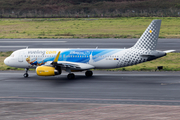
(48, 71)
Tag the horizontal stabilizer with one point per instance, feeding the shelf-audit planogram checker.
(169, 51)
(154, 54)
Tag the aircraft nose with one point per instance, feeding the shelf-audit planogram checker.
(6, 61)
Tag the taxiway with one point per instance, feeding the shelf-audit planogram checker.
(14, 44)
(106, 95)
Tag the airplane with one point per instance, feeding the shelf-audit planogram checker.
(51, 62)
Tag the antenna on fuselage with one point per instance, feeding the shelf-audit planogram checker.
(97, 47)
(26, 47)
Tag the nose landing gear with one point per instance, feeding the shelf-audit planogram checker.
(26, 73)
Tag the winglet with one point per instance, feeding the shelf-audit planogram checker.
(57, 57)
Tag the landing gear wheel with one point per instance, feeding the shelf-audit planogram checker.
(26, 75)
(88, 73)
(70, 76)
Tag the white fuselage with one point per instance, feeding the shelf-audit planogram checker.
(99, 58)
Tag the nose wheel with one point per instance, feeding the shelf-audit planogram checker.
(26, 73)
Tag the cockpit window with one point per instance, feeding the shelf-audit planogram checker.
(12, 55)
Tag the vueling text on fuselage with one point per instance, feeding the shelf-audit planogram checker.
(41, 52)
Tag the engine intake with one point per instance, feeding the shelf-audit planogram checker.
(47, 71)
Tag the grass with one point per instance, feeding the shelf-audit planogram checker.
(171, 62)
(86, 28)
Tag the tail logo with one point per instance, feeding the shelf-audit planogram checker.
(150, 31)
(149, 38)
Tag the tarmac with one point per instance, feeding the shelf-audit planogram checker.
(118, 95)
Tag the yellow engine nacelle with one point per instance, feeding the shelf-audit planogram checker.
(46, 71)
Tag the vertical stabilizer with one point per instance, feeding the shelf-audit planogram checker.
(149, 38)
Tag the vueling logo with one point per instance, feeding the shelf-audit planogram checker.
(50, 52)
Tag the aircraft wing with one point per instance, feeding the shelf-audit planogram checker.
(70, 65)
(74, 65)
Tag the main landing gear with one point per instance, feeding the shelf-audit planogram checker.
(71, 76)
(26, 73)
(88, 73)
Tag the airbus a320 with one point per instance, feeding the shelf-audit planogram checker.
(51, 62)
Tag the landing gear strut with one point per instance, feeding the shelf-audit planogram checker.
(26, 73)
(88, 73)
(70, 76)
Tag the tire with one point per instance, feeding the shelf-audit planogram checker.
(89, 73)
(70, 76)
(25, 75)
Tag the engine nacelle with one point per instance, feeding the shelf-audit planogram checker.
(46, 71)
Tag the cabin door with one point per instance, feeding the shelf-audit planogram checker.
(20, 58)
